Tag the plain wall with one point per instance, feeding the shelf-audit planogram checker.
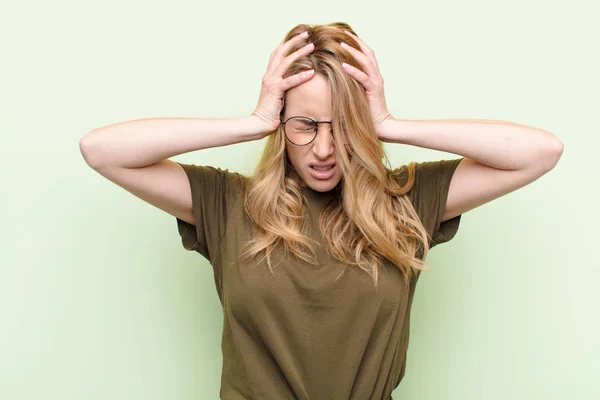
(99, 300)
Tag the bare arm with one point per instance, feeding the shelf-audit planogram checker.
(140, 143)
(144, 142)
(135, 154)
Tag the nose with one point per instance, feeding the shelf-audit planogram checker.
(324, 144)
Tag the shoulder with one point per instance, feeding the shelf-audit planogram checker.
(425, 173)
(427, 185)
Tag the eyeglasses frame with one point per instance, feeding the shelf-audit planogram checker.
(302, 116)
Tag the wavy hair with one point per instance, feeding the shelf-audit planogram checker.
(370, 221)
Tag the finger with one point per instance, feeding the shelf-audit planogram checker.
(362, 59)
(365, 49)
(297, 79)
(278, 47)
(274, 51)
(286, 62)
(283, 49)
(360, 76)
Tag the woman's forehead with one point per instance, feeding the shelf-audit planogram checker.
(310, 99)
(308, 109)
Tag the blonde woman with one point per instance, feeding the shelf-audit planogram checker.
(317, 253)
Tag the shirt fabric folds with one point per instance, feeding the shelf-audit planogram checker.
(307, 332)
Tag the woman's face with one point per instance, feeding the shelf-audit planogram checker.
(313, 99)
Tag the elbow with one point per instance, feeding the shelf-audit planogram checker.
(553, 154)
(86, 150)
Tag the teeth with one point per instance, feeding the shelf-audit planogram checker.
(323, 168)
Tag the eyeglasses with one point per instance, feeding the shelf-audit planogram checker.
(301, 130)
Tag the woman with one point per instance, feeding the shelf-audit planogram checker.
(317, 254)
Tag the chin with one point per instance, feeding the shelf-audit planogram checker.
(322, 187)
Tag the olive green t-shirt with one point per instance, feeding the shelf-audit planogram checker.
(307, 332)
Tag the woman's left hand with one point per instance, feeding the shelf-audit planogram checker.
(372, 81)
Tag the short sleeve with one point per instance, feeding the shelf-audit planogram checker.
(214, 191)
(429, 196)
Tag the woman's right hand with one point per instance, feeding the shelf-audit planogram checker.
(273, 87)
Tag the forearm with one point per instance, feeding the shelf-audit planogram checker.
(144, 142)
(498, 144)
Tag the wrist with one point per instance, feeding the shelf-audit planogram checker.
(390, 130)
(256, 127)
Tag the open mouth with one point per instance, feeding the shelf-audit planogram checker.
(323, 172)
(327, 168)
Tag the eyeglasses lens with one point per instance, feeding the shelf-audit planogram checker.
(300, 131)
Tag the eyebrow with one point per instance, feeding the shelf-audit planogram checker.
(304, 115)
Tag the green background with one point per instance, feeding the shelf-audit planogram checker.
(99, 300)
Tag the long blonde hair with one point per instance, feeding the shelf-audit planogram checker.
(371, 221)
